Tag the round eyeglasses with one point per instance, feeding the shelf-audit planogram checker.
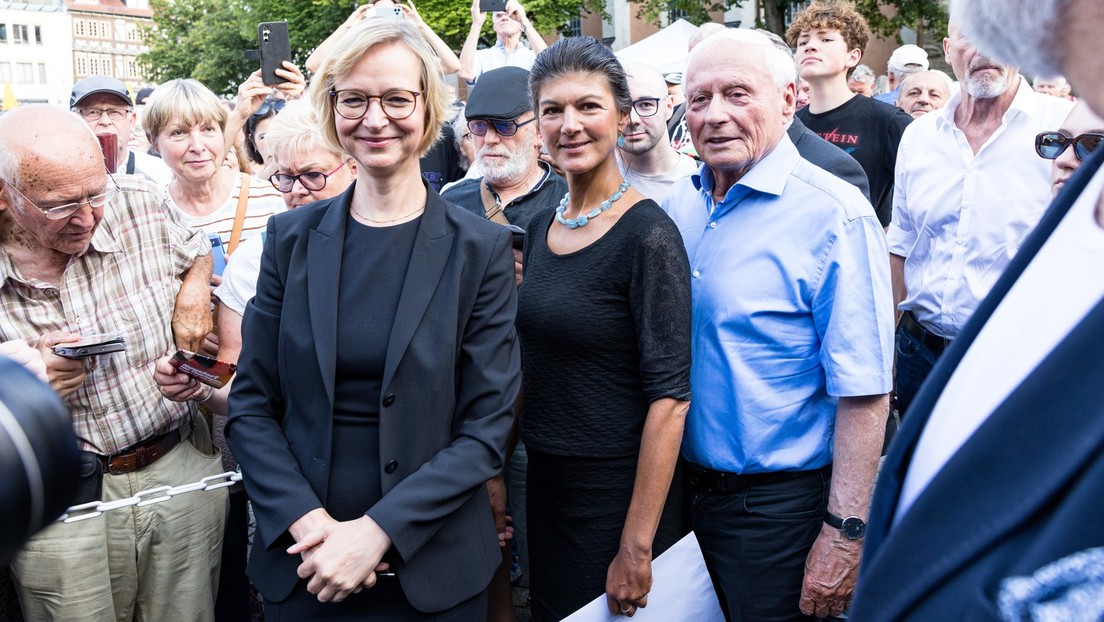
(646, 106)
(1050, 145)
(311, 180)
(397, 104)
(57, 212)
(479, 127)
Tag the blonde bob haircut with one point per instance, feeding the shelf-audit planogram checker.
(349, 50)
(296, 131)
(184, 101)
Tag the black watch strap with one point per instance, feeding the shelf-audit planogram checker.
(852, 527)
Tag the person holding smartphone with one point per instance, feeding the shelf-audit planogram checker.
(379, 365)
(450, 64)
(509, 23)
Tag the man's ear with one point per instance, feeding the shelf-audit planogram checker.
(668, 107)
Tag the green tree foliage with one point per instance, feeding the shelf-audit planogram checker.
(206, 39)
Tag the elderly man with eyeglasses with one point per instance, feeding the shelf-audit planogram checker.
(647, 159)
(83, 254)
(105, 105)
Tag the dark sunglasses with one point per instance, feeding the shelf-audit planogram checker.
(1050, 145)
(479, 127)
(269, 105)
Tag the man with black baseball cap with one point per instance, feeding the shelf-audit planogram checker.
(515, 185)
(105, 105)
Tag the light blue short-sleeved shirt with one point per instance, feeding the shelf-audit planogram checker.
(792, 309)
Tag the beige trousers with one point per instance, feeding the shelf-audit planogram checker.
(154, 563)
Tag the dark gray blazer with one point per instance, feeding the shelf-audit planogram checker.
(828, 156)
(1025, 490)
(451, 374)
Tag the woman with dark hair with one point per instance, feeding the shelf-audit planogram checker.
(604, 320)
(256, 128)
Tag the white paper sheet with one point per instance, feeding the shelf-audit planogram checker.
(681, 591)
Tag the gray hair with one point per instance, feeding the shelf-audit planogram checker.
(580, 55)
(459, 126)
(297, 130)
(863, 74)
(778, 59)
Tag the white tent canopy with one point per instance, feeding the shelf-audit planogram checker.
(665, 50)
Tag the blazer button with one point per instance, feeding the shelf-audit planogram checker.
(388, 399)
(391, 466)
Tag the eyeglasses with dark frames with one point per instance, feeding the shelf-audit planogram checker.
(310, 180)
(1050, 145)
(646, 106)
(397, 104)
(479, 127)
(57, 212)
(94, 114)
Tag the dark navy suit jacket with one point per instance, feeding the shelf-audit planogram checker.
(1025, 490)
(828, 156)
(451, 373)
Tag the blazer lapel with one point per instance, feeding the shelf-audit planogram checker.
(324, 251)
(955, 519)
(432, 247)
(891, 477)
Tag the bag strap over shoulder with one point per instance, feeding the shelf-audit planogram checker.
(239, 216)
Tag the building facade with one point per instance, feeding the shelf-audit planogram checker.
(35, 63)
(107, 39)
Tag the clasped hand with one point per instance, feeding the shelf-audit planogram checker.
(341, 557)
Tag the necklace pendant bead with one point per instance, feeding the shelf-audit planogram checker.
(583, 219)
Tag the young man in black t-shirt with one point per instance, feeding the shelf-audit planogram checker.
(830, 40)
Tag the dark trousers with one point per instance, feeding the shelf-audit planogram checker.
(915, 361)
(232, 604)
(755, 542)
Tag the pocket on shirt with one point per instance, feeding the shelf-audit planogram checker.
(144, 317)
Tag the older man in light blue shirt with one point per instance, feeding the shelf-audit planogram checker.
(792, 343)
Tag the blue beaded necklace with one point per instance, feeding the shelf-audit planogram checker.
(583, 219)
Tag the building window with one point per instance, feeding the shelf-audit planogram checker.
(38, 34)
(794, 8)
(42, 73)
(574, 27)
(675, 15)
(3, 33)
(132, 68)
(24, 73)
(78, 27)
(19, 34)
(5, 72)
(82, 66)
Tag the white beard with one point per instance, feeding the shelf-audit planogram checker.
(1020, 32)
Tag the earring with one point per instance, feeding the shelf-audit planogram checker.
(621, 141)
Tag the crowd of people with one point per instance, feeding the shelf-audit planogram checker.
(550, 330)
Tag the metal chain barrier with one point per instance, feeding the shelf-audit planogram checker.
(159, 494)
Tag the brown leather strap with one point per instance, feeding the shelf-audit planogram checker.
(141, 455)
(492, 209)
(239, 216)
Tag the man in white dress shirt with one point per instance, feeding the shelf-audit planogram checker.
(968, 189)
(988, 504)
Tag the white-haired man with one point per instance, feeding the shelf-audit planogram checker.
(905, 60)
(968, 189)
(988, 505)
(790, 383)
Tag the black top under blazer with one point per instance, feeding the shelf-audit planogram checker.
(446, 405)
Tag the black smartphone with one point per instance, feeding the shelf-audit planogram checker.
(275, 48)
(492, 6)
(91, 346)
